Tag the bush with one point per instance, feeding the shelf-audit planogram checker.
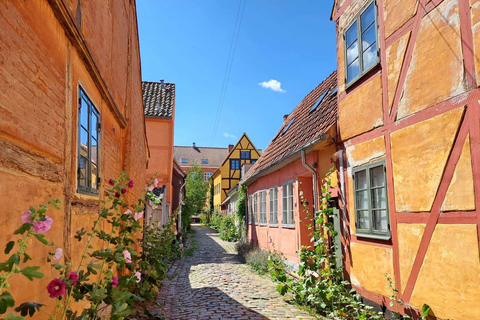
(204, 219)
(228, 230)
(215, 221)
(255, 257)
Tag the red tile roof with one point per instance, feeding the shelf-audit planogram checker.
(309, 123)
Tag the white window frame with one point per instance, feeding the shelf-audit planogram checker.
(255, 208)
(262, 207)
(273, 209)
(288, 215)
(250, 211)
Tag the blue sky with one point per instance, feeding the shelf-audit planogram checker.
(187, 42)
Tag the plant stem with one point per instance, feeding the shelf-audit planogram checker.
(4, 281)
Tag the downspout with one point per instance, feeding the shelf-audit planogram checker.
(314, 179)
(342, 190)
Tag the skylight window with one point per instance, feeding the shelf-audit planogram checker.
(334, 93)
(288, 126)
(315, 106)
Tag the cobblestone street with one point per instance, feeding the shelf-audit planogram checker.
(213, 283)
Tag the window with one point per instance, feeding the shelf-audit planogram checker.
(262, 199)
(371, 205)
(287, 210)
(88, 132)
(255, 208)
(273, 197)
(184, 160)
(361, 50)
(315, 106)
(244, 154)
(334, 93)
(250, 213)
(206, 176)
(204, 161)
(234, 164)
(288, 126)
(253, 161)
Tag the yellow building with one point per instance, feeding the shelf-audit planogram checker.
(228, 174)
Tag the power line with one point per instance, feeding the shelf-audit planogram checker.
(228, 69)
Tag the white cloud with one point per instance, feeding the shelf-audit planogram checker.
(272, 84)
(228, 135)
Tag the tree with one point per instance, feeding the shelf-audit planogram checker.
(196, 196)
(241, 209)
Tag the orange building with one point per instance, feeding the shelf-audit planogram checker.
(159, 106)
(71, 118)
(409, 151)
(295, 162)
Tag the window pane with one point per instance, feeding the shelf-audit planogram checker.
(362, 199)
(84, 114)
(82, 171)
(352, 53)
(351, 34)
(94, 125)
(370, 57)
(379, 198)
(361, 180)
(368, 17)
(377, 177)
(363, 220)
(352, 71)
(83, 143)
(380, 220)
(368, 37)
(94, 176)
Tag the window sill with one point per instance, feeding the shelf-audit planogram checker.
(288, 226)
(262, 224)
(273, 225)
(367, 74)
(373, 236)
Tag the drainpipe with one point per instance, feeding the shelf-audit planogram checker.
(342, 190)
(314, 178)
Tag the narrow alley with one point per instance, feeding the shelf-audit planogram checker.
(214, 283)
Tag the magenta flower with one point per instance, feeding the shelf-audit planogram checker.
(25, 217)
(117, 195)
(139, 276)
(114, 282)
(43, 226)
(56, 288)
(111, 182)
(74, 277)
(124, 190)
(138, 215)
(127, 256)
(130, 184)
(58, 254)
(128, 211)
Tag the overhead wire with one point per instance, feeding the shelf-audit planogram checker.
(228, 68)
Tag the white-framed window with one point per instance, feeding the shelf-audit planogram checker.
(204, 161)
(262, 209)
(250, 211)
(273, 210)
(184, 160)
(288, 217)
(255, 207)
(206, 176)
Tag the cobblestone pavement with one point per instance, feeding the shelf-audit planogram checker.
(213, 283)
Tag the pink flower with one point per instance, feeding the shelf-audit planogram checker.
(130, 184)
(74, 277)
(331, 160)
(139, 276)
(111, 182)
(127, 256)
(138, 215)
(43, 226)
(155, 182)
(128, 211)
(25, 218)
(117, 195)
(58, 254)
(56, 288)
(124, 190)
(150, 188)
(114, 282)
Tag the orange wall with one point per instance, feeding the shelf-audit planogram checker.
(160, 143)
(39, 122)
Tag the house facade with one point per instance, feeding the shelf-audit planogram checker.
(71, 118)
(408, 140)
(209, 159)
(159, 108)
(294, 164)
(228, 174)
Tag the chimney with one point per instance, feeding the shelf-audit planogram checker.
(162, 84)
(194, 146)
(285, 117)
(230, 148)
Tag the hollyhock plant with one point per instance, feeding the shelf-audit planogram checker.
(111, 182)
(56, 288)
(127, 256)
(139, 276)
(130, 184)
(155, 182)
(150, 188)
(117, 195)
(25, 217)
(74, 277)
(138, 215)
(58, 254)
(43, 226)
(128, 211)
(124, 190)
(114, 282)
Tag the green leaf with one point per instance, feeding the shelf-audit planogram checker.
(425, 311)
(24, 227)
(121, 310)
(12, 316)
(31, 272)
(41, 238)
(26, 257)
(9, 247)
(6, 301)
(13, 260)
(28, 308)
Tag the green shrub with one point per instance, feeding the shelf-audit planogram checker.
(204, 219)
(228, 230)
(216, 221)
(255, 257)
